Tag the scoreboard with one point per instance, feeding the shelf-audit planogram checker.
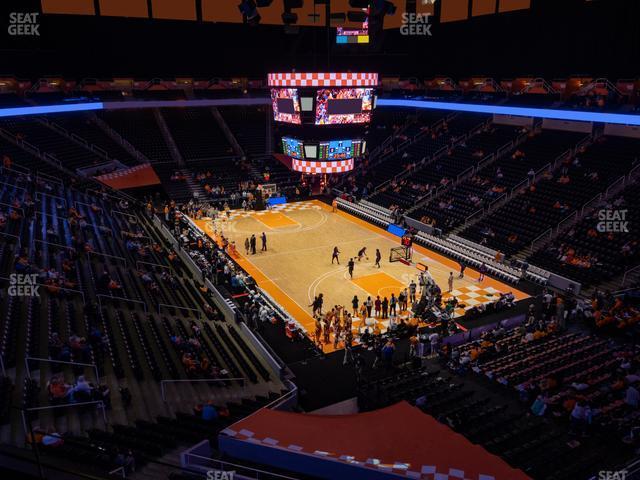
(321, 118)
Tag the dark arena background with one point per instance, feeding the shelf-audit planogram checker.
(320, 239)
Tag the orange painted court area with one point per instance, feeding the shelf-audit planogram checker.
(275, 220)
(297, 264)
(379, 284)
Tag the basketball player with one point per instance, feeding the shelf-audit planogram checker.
(334, 256)
(378, 258)
(450, 281)
(351, 264)
(362, 253)
(263, 238)
(334, 205)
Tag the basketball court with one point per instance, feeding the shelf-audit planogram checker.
(297, 264)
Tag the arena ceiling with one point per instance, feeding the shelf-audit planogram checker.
(499, 38)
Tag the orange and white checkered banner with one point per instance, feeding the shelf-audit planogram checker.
(323, 79)
(306, 166)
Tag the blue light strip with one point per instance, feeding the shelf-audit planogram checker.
(41, 110)
(613, 118)
(573, 115)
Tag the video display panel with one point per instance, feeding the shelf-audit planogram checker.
(340, 149)
(311, 151)
(286, 105)
(335, 106)
(307, 104)
(292, 147)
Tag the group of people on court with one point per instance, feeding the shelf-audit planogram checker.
(250, 244)
(362, 253)
(337, 321)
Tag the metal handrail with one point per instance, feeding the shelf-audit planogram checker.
(93, 252)
(626, 273)
(546, 234)
(197, 380)
(150, 263)
(100, 295)
(52, 196)
(168, 305)
(98, 403)
(573, 216)
(62, 362)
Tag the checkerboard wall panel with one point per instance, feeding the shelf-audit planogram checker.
(323, 79)
(306, 166)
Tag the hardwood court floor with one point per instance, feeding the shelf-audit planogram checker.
(297, 265)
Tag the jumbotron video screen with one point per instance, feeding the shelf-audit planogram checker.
(286, 105)
(343, 105)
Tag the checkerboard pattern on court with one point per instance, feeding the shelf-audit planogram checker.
(283, 208)
(471, 296)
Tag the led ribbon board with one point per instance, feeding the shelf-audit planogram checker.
(305, 166)
(322, 79)
(41, 110)
(572, 115)
(614, 118)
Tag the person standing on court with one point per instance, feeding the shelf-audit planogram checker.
(252, 241)
(263, 238)
(350, 265)
(247, 245)
(385, 308)
(450, 282)
(378, 258)
(403, 298)
(412, 291)
(483, 271)
(334, 255)
(463, 266)
(392, 304)
(334, 205)
(355, 303)
(369, 304)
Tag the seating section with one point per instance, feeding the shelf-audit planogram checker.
(196, 133)
(535, 445)
(125, 325)
(590, 256)
(73, 155)
(432, 138)
(135, 446)
(555, 196)
(492, 181)
(82, 125)
(248, 125)
(444, 171)
(113, 294)
(139, 127)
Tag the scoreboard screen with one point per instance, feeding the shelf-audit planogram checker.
(340, 149)
(292, 147)
(286, 105)
(344, 105)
